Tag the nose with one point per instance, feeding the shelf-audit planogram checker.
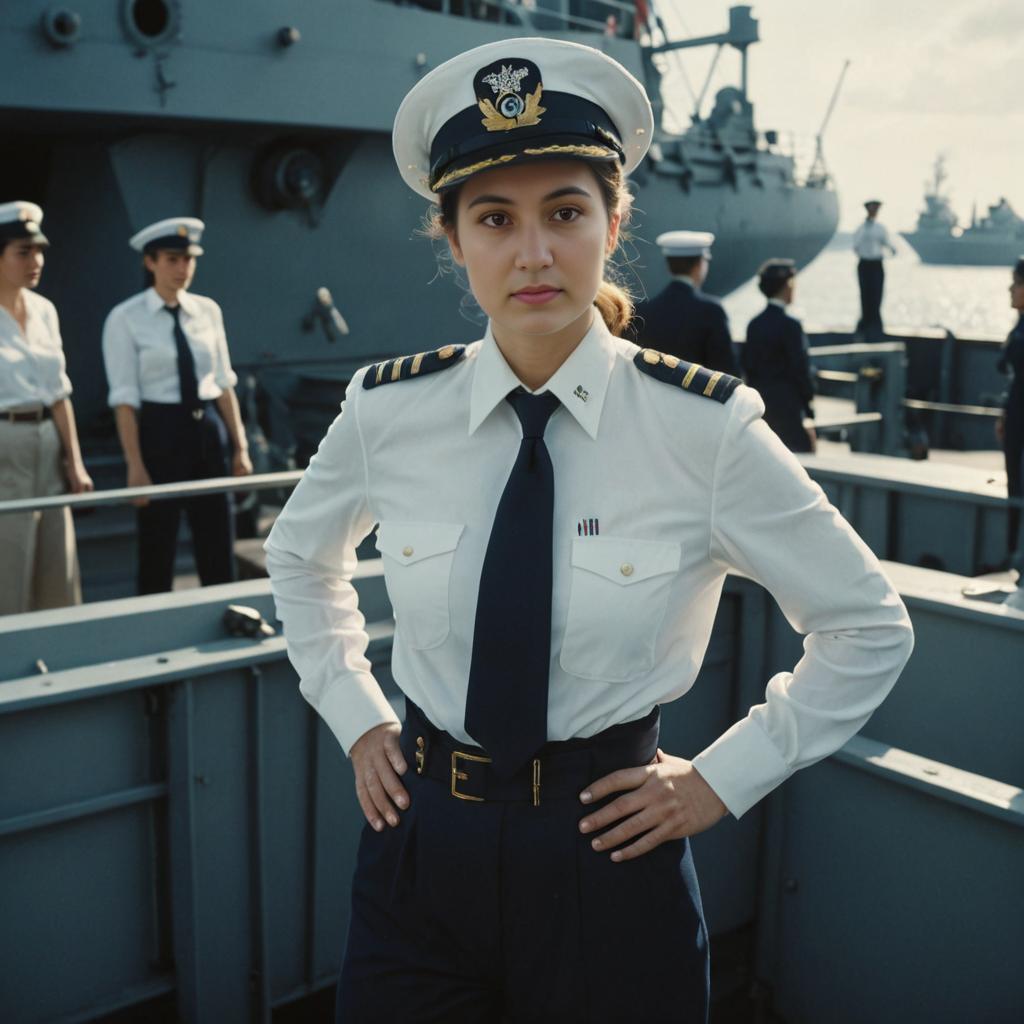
(534, 252)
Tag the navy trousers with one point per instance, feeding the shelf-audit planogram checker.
(479, 913)
(871, 277)
(1013, 452)
(176, 446)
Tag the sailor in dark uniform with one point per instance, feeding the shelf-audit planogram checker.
(1011, 427)
(775, 360)
(556, 512)
(681, 320)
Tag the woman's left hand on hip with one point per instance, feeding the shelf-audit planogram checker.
(667, 799)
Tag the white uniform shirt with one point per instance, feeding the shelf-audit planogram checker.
(142, 360)
(680, 489)
(871, 239)
(32, 368)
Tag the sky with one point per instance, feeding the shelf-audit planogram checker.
(925, 78)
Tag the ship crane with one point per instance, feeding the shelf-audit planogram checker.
(818, 174)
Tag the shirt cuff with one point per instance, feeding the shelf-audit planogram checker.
(124, 396)
(228, 380)
(353, 707)
(742, 766)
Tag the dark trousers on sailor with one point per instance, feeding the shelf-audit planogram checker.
(176, 446)
(871, 277)
(1013, 451)
(500, 911)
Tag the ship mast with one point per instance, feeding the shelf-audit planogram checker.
(818, 174)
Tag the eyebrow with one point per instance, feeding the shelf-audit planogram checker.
(569, 190)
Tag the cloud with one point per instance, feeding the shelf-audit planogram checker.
(1001, 21)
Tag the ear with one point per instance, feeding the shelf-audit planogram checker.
(614, 221)
(453, 245)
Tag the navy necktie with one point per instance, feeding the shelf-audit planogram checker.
(507, 702)
(186, 364)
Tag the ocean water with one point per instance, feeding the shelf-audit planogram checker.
(972, 302)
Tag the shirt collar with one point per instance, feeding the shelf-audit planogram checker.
(154, 302)
(580, 383)
(685, 279)
(777, 302)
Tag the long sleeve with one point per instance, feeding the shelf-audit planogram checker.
(223, 374)
(770, 521)
(311, 558)
(121, 361)
(800, 367)
(720, 353)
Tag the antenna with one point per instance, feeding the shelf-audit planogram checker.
(818, 174)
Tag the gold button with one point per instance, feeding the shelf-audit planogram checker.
(447, 352)
(670, 361)
(407, 551)
(626, 569)
(652, 357)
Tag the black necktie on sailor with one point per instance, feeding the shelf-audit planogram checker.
(507, 702)
(186, 364)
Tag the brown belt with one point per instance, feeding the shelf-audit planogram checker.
(27, 417)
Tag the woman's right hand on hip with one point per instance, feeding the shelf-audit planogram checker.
(378, 762)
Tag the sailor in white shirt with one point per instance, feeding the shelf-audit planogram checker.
(172, 390)
(556, 510)
(871, 241)
(39, 450)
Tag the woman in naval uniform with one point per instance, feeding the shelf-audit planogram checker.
(172, 391)
(557, 510)
(39, 452)
(1010, 428)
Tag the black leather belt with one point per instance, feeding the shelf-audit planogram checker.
(36, 416)
(561, 770)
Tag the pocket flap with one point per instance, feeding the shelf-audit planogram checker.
(625, 561)
(407, 543)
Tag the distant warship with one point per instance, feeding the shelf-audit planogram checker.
(116, 113)
(995, 240)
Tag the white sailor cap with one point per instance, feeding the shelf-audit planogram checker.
(686, 243)
(518, 100)
(21, 220)
(173, 233)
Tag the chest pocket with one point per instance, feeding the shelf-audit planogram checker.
(617, 601)
(418, 561)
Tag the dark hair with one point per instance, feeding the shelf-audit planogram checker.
(683, 264)
(613, 301)
(1018, 270)
(773, 276)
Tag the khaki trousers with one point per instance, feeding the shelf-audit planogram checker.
(38, 560)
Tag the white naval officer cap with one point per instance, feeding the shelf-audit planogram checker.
(686, 243)
(516, 100)
(173, 233)
(21, 219)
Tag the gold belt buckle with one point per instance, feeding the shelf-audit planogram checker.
(457, 775)
(198, 414)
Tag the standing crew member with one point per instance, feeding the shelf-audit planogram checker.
(1010, 429)
(775, 359)
(172, 391)
(681, 320)
(870, 241)
(525, 856)
(39, 452)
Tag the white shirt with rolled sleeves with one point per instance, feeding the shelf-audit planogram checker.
(871, 240)
(141, 357)
(32, 367)
(680, 488)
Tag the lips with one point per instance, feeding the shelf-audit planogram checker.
(537, 294)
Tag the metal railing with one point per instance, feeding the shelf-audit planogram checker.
(156, 492)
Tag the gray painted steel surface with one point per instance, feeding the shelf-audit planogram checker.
(175, 819)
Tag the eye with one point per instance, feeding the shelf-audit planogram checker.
(567, 214)
(495, 220)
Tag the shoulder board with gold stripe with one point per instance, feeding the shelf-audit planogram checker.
(692, 377)
(406, 367)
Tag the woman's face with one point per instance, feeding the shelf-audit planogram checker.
(21, 263)
(534, 240)
(1017, 293)
(172, 269)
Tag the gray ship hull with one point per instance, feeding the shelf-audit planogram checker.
(965, 251)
